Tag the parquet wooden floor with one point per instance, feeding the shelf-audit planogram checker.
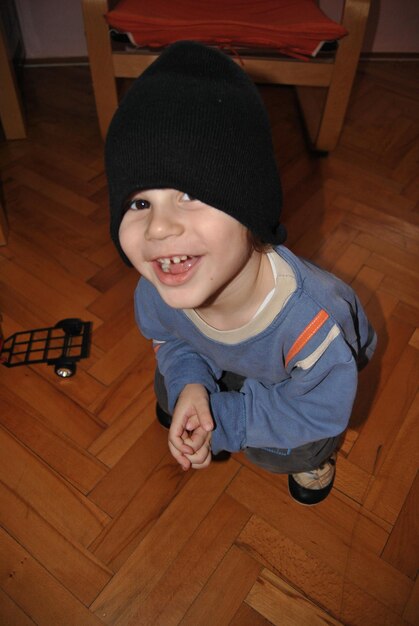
(98, 524)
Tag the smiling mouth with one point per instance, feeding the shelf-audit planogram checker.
(176, 264)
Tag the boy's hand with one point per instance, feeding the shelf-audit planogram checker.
(190, 432)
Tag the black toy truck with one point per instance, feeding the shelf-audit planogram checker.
(61, 345)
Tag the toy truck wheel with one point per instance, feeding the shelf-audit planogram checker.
(71, 326)
(65, 369)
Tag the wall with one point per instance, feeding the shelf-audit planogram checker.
(393, 25)
(54, 28)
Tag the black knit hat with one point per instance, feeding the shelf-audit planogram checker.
(195, 122)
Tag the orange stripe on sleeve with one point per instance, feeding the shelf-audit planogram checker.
(309, 331)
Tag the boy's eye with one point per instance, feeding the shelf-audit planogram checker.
(187, 198)
(138, 204)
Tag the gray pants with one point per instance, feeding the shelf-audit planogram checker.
(276, 460)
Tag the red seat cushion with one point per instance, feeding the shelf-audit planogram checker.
(292, 27)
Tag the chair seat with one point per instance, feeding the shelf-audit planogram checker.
(252, 28)
(295, 28)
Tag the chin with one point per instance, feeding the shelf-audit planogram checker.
(177, 301)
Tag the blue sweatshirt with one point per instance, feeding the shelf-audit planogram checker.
(299, 356)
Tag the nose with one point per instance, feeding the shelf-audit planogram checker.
(163, 222)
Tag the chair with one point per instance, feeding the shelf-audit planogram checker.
(3, 225)
(11, 113)
(323, 84)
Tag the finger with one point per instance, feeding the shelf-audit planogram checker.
(177, 438)
(201, 418)
(180, 458)
(204, 463)
(192, 423)
(200, 455)
(196, 439)
(180, 445)
(205, 422)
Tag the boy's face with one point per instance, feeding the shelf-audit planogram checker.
(192, 253)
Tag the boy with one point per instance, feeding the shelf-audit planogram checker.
(257, 350)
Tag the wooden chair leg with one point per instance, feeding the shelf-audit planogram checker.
(101, 63)
(3, 225)
(325, 109)
(11, 114)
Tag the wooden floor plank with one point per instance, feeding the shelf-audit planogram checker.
(72, 565)
(51, 190)
(72, 462)
(65, 257)
(274, 506)
(366, 283)
(123, 355)
(300, 568)
(124, 392)
(42, 294)
(11, 613)
(374, 442)
(25, 254)
(191, 572)
(364, 186)
(125, 533)
(402, 548)
(411, 612)
(34, 482)
(127, 427)
(114, 329)
(351, 480)
(53, 406)
(119, 485)
(73, 232)
(393, 338)
(35, 591)
(246, 616)
(118, 297)
(366, 218)
(350, 262)
(120, 602)
(407, 313)
(360, 608)
(213, 606)
(398, 470)
(336, 244)
(385, 583)
(404, 258)
(282, 604)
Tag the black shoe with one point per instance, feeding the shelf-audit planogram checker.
(162, 417)
(314, 486)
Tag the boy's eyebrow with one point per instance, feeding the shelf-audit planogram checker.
(133, 196)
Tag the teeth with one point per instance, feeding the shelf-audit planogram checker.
(165, 261)
(174, 259)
